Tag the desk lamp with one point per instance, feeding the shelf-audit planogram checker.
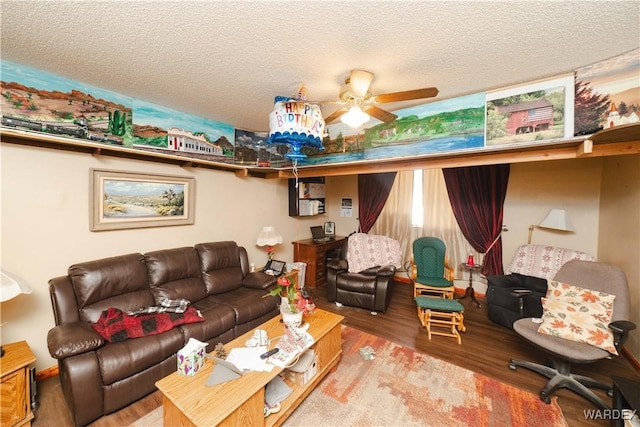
(10, 287)
(269, 237)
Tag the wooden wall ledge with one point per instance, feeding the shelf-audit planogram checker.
(620, 140)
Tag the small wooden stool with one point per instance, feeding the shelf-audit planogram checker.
(441, 312)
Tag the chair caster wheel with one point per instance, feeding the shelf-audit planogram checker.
(512, 366)
(545, 398)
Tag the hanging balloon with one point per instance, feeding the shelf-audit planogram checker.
(297, 124)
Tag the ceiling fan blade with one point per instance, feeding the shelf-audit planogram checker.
(333, 116)
(407, 95)
(380, 114)
(359, 81)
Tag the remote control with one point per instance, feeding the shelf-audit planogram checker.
(269, 353)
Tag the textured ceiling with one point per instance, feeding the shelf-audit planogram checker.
(226, 60)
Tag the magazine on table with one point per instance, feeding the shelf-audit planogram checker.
(295, 341)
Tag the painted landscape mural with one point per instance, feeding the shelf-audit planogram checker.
(604, 94)
(608, 93)
(38, 101)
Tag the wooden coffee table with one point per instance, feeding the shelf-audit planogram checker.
(188, 402)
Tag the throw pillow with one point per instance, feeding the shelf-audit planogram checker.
(572, 293)
(585, 322)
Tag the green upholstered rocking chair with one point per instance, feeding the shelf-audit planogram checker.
(430, 270)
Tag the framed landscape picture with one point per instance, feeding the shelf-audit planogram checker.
(532, 113)
(123, 200)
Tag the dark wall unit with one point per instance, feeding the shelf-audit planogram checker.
(308, 198)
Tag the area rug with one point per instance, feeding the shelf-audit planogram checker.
(401, 387)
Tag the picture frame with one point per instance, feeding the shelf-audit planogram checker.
(125, 200)
(530, 114)
(329, 228)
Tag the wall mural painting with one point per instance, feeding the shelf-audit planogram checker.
(608, 93)
(252, 149)
(536, 112)
(37, 101)
(604, 94)
(442, 126)
(42, 102)
(164, 130)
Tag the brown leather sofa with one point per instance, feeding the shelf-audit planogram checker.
(99, 377)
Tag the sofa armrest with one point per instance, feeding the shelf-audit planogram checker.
(70, 339)
(338, 264)
(386, 270)
(258, 280)
(519, 281)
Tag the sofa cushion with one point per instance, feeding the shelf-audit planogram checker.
(130, 357)
(218, 319)
(220, 263)
(248, 304)
(175, 273)
(119, 281)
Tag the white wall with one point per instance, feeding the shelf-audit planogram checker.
(339, 187)
(45, 225)
(45, 219)
(535, 188)
(619, 242)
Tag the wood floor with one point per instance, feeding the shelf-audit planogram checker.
(486, 348)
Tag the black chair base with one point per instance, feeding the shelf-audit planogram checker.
(560, 377)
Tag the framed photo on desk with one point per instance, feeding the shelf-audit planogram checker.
(330, 228)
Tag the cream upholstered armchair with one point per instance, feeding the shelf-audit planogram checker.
(363, 274)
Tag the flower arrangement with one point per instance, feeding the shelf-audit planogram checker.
(295, 301)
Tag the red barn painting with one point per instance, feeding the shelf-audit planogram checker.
(528, 117)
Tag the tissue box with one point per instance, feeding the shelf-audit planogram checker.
(191, 357)
(304, 369)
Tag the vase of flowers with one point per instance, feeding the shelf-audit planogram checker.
(293, 305)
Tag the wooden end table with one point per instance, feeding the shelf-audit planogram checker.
(469, 292)
(15, 389)
(187, 401)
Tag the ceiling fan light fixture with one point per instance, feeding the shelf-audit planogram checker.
(359, 81)
(355, 117)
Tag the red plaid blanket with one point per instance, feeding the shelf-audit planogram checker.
(114, 325)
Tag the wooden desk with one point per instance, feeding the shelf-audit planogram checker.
(188, 402)
(15, 389)
(315, 256)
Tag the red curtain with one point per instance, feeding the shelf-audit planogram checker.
(373, 191)
(477, 197)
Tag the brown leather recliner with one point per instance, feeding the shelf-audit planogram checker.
(369, 289)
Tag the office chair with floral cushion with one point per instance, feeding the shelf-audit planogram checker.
(430, 269)
(584, 319)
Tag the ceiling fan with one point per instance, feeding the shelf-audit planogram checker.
(360, 103)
